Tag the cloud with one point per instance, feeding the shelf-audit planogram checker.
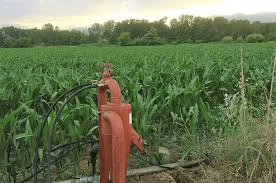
(124, 3)
(13, 8)
(161, 5)
(19, 8)
(79, 12)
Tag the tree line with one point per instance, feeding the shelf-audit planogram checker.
(185, 28)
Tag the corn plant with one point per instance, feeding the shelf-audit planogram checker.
(174, 90)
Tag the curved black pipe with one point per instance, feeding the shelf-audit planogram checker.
(58, 158)
(52, 130)
(44, 122)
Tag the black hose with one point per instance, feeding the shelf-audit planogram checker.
(53, 127)
(55, 103)
(71, 143)
(65, 145)
(60, 157)
(93, 157)
(44, 122)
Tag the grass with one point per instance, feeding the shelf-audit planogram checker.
(248, 153)
(194, 94)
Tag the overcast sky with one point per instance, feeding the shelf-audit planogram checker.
(83, 13)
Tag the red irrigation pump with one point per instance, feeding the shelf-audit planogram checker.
(116, 134)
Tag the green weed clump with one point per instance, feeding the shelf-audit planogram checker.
(227, 39)
(248, 152)
(255, 38)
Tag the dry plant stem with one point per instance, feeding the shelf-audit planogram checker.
(242, 87)
(243, 106)
(271, 90)
(190, 179)
(241, 160)
(255, 167)
(207, 174)
(203, 170)
(242, 75)
(269, 115)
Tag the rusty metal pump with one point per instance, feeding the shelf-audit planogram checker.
(116, 133)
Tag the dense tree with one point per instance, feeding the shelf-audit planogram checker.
(185, 28)
(136, 28)
(239, 28)
(124, 39)
(94, 32)
(162, 29)
(48, 27)
(221, 28)
(151, 37)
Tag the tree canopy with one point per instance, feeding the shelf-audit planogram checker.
(186, 28)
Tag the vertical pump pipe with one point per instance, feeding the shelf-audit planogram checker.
(116, 133)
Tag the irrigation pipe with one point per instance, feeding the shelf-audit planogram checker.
(71, 143)
(44, 122)
(152, 164)
(60, 157)
(142, 171)
(53, 127)
(154, 169)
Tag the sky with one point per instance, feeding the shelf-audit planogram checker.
(83, 13)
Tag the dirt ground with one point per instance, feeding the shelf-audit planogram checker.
(203, 173)
(207, 172)
(176, 176)
(180, 175)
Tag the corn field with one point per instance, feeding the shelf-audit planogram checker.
(190, 93)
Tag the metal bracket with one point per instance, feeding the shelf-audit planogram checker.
(97, 83)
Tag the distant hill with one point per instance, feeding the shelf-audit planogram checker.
(263, 17)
